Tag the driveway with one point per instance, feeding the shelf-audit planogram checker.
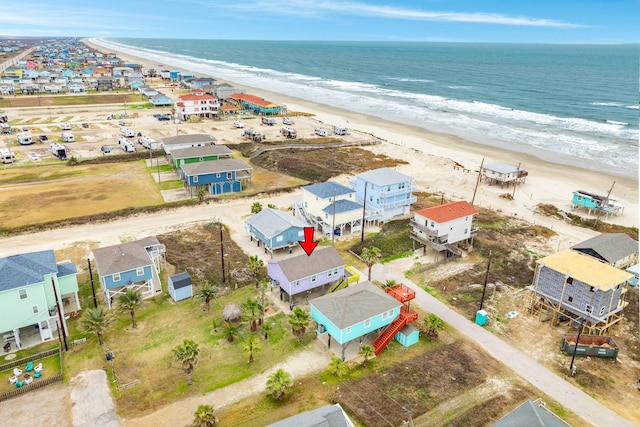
(562, 391)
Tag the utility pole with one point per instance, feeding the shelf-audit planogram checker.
(515, 183)
(486, 277)
(93, 289)
(222, 251)
(64, 334)
(477, 181)
(603, 205)
(333, 222)
(364, 212)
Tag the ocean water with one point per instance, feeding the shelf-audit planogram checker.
(567, 103)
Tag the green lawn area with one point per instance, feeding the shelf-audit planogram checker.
(50, 366)
(145, 353)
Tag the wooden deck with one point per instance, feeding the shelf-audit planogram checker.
(401, 292)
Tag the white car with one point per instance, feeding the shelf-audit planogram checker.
(287, 121)
(34, 157)
(238, 124)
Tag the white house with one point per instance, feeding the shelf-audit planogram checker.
(442, 227)
(388, 193)
(198, 104)
(499, 173)
(330, 206)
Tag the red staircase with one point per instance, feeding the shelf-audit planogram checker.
(403, 294)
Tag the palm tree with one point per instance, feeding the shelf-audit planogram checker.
(299, 319)
(266, 328)
(204, 417)
(255, 266)
(251, 344)
(231, 312)
(187, 355)
(129, 301)
(201, 194)
(251, 306)
(264, 287)
(279, 383)
(433, 324)
(389, 284)
(256, 207)
(366, 351)
(206, 293)
(230, 331)
(96, 321)
(337, 367)
(370, 256)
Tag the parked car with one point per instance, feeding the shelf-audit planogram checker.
(65, 126)
(85, 125)
(287, 121)
(107, 148)
(163, 117)
(43, 138)
(238, 124)
(34, 157)
(25, 129)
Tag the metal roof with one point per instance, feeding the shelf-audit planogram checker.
(354, 304)
(272, 222)
(325, 190)
(300, 266)
(384, 176)
(585, 269)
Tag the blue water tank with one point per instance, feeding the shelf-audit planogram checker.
(481, 317)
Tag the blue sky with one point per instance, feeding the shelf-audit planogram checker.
(558, 21)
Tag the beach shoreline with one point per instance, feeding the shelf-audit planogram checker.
(547, 183)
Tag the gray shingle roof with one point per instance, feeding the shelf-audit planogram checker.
(123, 257)
(501, 168)
(354, 304)
(343, 206)
(325, 190)
(272, 222)
(325, 416)
(205, 150)
(181, 280)
(301, 266)
(384, 176)
(26, 269)
(215, 166)
(66, 269)
(530, 415)
(189, 139)
(608, 247)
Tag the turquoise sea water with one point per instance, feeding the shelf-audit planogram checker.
(574, 104)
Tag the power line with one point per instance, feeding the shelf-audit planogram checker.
(367, 403)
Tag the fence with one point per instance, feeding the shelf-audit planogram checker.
(35, 385)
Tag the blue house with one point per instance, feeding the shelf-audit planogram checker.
(180, 286)
(218, 177)
(353, 313)
(388, 193)
(201, 82)
(275, 229)
(131, 265)
(160, 100)
(304, 273)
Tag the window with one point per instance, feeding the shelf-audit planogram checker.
(217, 175)
(570, 299)
(279, 239)
(314, 279)
(22, 293)
(35, 309)
(466, 230)
(139, 271)
(229, 175)
(602, 310)
(569, 280)
(296, 284)
(301, 233)
(433, 224)
(348, 330)
(195, 178)
(589, 309)
(367, 323)
(116, 277)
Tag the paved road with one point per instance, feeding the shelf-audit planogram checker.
(556, 387)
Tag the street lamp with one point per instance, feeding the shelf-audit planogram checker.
(575, 348)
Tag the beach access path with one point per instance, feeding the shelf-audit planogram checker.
(556, 387)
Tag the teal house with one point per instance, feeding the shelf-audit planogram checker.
(33, 287)
(204, 153)
(594, 202)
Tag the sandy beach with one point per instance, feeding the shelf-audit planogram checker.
(434, 161)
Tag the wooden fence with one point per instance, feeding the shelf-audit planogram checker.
(31, 387)
(28, 359)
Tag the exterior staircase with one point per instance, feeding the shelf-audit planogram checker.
(404, 294)
(340, 284)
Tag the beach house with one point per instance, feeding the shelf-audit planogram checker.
(385, 193)
(255, 103)
(503, 174)
(37, 292)
(330, 207)
(185, 141)
(216, 177)
(324, 416)
(361, 310)
(303, 273)
(130, 265)
(442, 227)
(616, 249)
(275, 229)
(196, 105)
(595, 203)
(570, 285)
(205, 153)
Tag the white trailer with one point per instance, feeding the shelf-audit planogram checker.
(24, 139)
(126, 145)
(58, 150)
(339, 130)
(7, 156)
(269, 121)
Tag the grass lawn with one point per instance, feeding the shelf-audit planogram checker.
(61, 100)
(145, 353)
(50, 367)
(55, 192)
